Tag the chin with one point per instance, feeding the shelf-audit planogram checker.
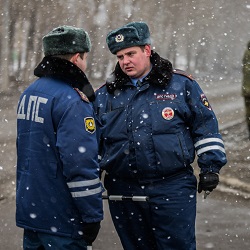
(131, 74)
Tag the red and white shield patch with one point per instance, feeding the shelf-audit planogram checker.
(167, 113)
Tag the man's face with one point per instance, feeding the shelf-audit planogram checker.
(135, 61)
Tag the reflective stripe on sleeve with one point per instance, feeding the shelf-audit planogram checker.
(87, 192)
(85, 188)
(208, 148)
(208, 140)
(75, 184)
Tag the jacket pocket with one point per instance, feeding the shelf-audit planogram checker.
(171, 153)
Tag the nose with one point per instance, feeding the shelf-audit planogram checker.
(126, 60)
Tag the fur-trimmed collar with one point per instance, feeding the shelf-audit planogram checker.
(160, 74)
(66, 71)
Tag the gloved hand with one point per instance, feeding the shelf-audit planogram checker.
(208, 181)
(90, 231)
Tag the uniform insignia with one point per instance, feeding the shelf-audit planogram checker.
(90, 124)
(167, 113)
(119, 38)
(103, 85)
(183, 73)
(83, 96)
(165, 96)
(205, 102)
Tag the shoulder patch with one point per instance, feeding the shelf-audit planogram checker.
(82, 95)
(90, 124)
(183, 73)
(205, 102)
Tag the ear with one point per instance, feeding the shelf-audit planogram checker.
(74, 58)
(148, 50)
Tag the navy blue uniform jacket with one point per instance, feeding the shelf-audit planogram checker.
(154, 131)
(58, 186)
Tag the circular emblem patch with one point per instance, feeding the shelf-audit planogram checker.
(119, 38)
(167, 113)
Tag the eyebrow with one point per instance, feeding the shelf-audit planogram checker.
(129, 52)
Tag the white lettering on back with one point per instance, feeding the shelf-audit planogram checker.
(32, 112)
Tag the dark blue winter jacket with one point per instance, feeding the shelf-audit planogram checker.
(154, 131)
(58, 186)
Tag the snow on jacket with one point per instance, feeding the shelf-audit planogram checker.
(58, 186)
(153, 131)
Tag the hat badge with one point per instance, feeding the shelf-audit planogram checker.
(119, 38)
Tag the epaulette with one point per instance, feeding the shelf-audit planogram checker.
(183, 73)
(82, 95)
(100, 87)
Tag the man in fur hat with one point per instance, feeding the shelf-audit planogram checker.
(59, 194)
(153, 120)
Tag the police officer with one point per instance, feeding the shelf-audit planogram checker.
(246, 84)
(58, 197)
(153, 120)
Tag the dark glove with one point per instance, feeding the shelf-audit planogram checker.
(208, 182)
(90, 231)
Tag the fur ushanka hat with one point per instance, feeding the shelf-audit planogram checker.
(129, 35)
(66, 40)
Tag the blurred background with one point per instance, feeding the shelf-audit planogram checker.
(205, 38)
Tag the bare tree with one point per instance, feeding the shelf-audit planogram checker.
(5, 48)
(198, 35)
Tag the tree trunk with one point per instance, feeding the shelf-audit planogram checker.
(4, 69)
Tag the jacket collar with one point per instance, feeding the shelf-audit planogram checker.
(66, 71)
(160, 75)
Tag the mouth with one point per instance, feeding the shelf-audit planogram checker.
(129, 68)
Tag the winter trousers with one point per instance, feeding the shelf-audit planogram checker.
(41, 241)
(165, 221)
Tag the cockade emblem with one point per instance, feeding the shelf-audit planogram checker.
(119, 38)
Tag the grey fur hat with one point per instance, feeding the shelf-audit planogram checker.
(66, 40)
(129, 35)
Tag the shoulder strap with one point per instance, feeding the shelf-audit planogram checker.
(183, 73)
(82, 95)
(100, 86)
